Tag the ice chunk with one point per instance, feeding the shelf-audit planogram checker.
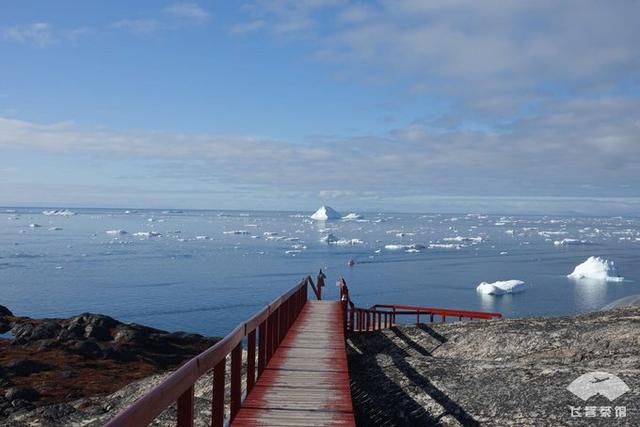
(348, 242)
(147, 234)
(116, 232)
(35, 225)
(59, 212)
(55, 228)
(596, 268)
(237, 232)
(502, 287)
(571, 242)
(395, 247)
(325, 213)
(352, 217)
(443, 246)
(329, 238)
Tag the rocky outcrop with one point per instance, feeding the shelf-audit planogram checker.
(54, 361)
(512, 372)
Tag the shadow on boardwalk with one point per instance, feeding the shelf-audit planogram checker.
(382, 372)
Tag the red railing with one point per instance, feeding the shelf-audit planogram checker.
(268, 327)
(382, 316)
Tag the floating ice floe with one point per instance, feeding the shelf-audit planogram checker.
(348, 242)
(325, 213)
(444, 246)
(147, 234)
(412, 251)
(55, 228)
(463, 239)
(596, 268)
(502, 287)
(329, 238)
(352, 217)
(202, 237)
(270, 233)
(395, 247)
(571, 242)
(116, 232)
(237, 232)
(35, 225)
(59, 212)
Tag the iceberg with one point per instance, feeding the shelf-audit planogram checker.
(325, 213)
(596, 268)
(59, 212)
(502, 287)
(352, 217)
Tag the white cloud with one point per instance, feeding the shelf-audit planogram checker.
(188, 11)
(489, 56)
(38, 34)
(580, 147)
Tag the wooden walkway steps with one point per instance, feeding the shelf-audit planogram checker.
(307, 380)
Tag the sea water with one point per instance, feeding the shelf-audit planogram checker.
(206, 271)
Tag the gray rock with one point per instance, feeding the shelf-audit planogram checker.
(28, 394)
(511, 372)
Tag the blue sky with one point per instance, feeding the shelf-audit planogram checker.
(395, 105)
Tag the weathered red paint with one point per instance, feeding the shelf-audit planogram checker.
(307, 379)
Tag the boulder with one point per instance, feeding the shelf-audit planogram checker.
(28, 394)
(4, 311)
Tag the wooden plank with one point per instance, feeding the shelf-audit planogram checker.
(306, 382)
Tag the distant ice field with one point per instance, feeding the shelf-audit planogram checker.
(205, 271)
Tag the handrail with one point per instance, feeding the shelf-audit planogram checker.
(384, 315)
(471, 314)
(268, 326)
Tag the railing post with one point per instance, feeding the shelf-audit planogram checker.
(251, 361)
(217, 403)
(185, 408)
(236, 380)
(262, 347)
(379, 320)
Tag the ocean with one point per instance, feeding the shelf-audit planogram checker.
(206, 271)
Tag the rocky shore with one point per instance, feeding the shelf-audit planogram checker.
(512, 372)
(48, 363)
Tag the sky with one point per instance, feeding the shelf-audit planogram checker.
(395, 105)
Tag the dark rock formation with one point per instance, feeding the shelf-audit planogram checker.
(53, 361)
(4, 311)
(512, 372)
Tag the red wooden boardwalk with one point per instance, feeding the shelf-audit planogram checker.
(307, 380)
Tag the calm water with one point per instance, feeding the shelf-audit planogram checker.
(195, 277)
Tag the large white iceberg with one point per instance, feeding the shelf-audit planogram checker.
(325, 213)
(596, 268)
(502, 287)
